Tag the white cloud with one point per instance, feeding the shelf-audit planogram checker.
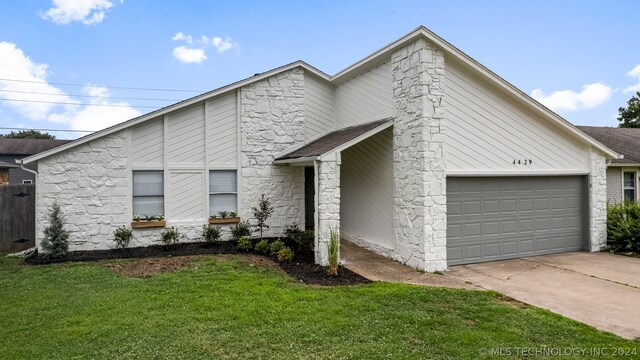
(195, 52)
(86, 11)
(90, 115)
(590, 96)
(635, 72)
(222, 45)
(189, 55)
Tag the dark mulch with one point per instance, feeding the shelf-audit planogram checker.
(302, 268)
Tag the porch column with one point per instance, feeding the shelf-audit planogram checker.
(327, 203)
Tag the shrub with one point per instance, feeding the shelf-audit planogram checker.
(302, 239)
(262, 213)
(623, 227)
(122, 236)
(240, 229)
(211, 233)
(263, 246)
(285, 254)
(56, 237)
(245, 244)
(170, 235)
(333, 247)
(275, 247)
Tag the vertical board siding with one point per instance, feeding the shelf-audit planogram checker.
(319, 114)
(366, 209)
(221, 117)
(17, 217)
(366, 98)
(486, 130)
(147, 143)
(186, 142)
(186, 202)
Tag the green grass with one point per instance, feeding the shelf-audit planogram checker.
(229, 309)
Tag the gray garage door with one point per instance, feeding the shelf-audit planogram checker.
(509, 217)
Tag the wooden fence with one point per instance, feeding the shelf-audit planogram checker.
(17, 217)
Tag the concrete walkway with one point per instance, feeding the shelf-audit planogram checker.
(599, 289)
(379, 268)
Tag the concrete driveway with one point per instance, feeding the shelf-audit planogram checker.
(599, 289)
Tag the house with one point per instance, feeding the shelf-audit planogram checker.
(16, 149)
(623, 173)
(417, 152)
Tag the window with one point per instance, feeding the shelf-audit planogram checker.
(148, 193)
(27, 182)
(223, 191)
(629, 186)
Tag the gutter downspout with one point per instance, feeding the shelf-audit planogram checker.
(35, 216)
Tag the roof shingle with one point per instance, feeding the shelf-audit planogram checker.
(28, 146)
(625, 141)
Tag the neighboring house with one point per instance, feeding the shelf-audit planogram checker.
(4, 172)
(16, 149)
(622, 174)
(417, 152)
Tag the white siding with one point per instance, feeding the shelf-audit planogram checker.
(367, 205)
(186, 197)
(186, 143)
(222, 115)
(147, 143)
(319, 114)
(486, 130)
(365, 98)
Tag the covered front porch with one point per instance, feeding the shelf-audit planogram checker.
(349, 186)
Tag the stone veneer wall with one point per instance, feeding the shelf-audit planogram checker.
(272, 120)
(328, 207)
(419, 164)
(91, 183)
(598, 200)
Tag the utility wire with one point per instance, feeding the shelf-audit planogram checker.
(110, 87)
(88, 96)
(65, 130)
(80, 104)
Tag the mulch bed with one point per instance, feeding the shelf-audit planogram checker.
(302, 268)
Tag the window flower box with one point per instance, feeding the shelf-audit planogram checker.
(148, 224)
(226, 220)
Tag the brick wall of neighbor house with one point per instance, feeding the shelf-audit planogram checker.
(614, 185)
(598, 200)
(419, 165)
(272, 120)
(91, 182)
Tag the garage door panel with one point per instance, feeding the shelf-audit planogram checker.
(500, 218)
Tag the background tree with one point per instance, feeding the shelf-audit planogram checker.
(630, 116)
(56, 238)
(27, 134)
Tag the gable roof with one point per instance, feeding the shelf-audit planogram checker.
(28, 146)
(336, 139)
(357, 68)
(622, 140)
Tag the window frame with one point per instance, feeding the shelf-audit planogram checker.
(625, 188)
(133, 195)
(235, 193)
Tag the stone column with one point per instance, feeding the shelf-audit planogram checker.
(327, 206)
(597, 201)
(419, 165)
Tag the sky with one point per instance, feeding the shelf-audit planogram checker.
(88, 64)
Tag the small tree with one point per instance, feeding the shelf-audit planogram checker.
(56, 238)
(629, 117)
(261, 214)
(332, 249)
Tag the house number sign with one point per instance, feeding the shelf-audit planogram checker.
(522, 161)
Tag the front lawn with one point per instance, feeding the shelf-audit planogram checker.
(228, 307)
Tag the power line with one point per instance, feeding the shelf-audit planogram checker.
(65, 130)
(110, 87)
(88, 96)
(80, 104)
